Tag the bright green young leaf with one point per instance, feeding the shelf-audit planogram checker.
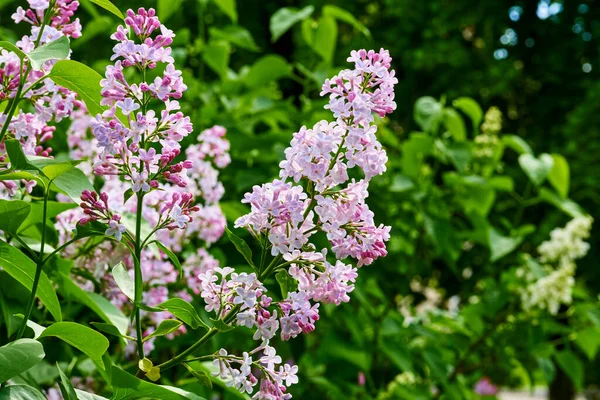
(55, 50)
(471, 108)
(572, 366)
(427, 113)
(17, 176)
(345, 16)
(455, 124)
(95, 302)
(123, 280)
(536, 169)
(267, 69)
(108, 6)
(414, 151)
(517, 144)
(18, 356)
(12, 215)
(128, 387)
(87, 340)
(229, 8)
(22, 268)
(21, 392)
(81, 79)
(235, 35)
(216, 56)
(241, 246)
(559, 175)
(11, 47)
(184, 311)
(66, 388)
(285, 18)
(164, 328)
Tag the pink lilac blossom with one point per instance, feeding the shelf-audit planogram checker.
(284, 215)
(48, 101)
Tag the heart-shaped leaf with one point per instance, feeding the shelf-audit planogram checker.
(18, 356)
(536, 169)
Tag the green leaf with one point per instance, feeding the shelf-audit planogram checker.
(22, 268)
(18, 356)
(92, 228)
(567, 206)
(21, 392)
(72, 183)
(229, 8)
(81, 395)
(398, 354)
(267, 69)
(123, 280)
(345, 16)
(401, 183)
(97, 303)
(501, 246)
(18, 175)
(427, 113)
(455, 124)
(87, 340)
(572, 366)
(286, 282)
(11, 47)
(588, 340)
(55, 50)
(536, 169)
(184, 311)
(517, 144)
(414, 151)
(128, 387)
(35, 327)
(216, 56)
(17, 158)
(171, 256)
(108, 6)
(547, 367)
(12, 215)
(235, 35)
(325, 38)
(285, 18)
(81, 79)
(202, 376)
(559, 175)
(241, 246)
(442, 235)
(166, 8)
(110, 329)
(66, 388)
(471, 108)
(164, 328)
(221, 326)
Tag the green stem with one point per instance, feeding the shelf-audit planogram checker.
(13, 106)
(178, 359)
(38, 269)
(138, 281)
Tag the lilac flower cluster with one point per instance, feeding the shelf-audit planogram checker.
(128, 132)
(49, 101)
(285, 215)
